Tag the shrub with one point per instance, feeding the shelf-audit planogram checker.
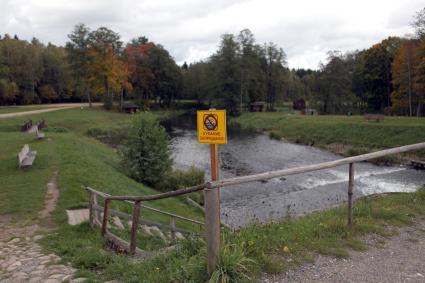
(233, 265)
(178, 179)
(145, 149)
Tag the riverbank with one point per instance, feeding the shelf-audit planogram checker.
(344, 135)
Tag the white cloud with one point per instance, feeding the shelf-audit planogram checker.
(191, 29)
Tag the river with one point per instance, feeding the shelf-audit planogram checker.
(298, 194)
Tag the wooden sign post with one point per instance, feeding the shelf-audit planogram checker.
(212, 130)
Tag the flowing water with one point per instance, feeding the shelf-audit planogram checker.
(297, 194)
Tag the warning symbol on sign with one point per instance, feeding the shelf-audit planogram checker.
(210, 122)
(212, 127)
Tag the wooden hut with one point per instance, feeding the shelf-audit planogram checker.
(130, 107)
(257, 106)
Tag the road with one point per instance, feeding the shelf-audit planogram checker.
(49, 108)
(399, 258)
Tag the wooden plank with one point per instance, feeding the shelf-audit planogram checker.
(91, 209)
(212, 214)
(350, 193)
(105, 217)
(105, 195)
(134, 225)
(141, 220)
(173, 228)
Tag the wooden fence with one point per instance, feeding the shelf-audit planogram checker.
(212, 215)
(99, 216)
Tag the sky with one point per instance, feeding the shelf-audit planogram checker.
(190, 30)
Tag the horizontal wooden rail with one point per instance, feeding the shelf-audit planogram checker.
(314, 167)
(141, 220)
(274, 174)
(108, 196)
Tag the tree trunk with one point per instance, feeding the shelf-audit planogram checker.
(121, 99)
(419, 108)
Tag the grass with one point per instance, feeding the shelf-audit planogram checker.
(79, 159)
(250, 252)
(14, 109)
(341, 134)
(245, 255)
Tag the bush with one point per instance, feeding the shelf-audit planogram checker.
(233, 265)
(178, 179)
(145, 149)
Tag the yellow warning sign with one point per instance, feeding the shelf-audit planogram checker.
(212, 126)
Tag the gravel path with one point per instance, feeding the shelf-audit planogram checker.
(21, 258)
(49, 108)
(400, 258)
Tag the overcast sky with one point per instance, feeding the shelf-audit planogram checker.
(191, 29)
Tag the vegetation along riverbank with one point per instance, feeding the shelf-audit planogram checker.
(345, 135)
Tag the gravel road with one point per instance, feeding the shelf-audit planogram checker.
(400, 258)
(49, 108)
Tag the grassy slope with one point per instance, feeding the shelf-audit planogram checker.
(354, 132)
(79, 159)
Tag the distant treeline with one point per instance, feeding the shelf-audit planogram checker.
(96, 65)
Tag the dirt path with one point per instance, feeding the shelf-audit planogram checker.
(400, 258)
(49, 108)
(21, 257)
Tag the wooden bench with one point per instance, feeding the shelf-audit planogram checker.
(26, 157)
(41, 124)
(374, 117)
(40, 135)
(26, 126)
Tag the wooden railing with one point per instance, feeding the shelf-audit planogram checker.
(95, 211)
(212, 215)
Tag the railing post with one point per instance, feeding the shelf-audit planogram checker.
(212, 213)
(212, 223)
(105, 217)
(96, 211)
(173, 228)
(134, 225)
(91, 210)
(350, 193)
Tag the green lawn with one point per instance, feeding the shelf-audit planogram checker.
(356, 134)
(80, 160)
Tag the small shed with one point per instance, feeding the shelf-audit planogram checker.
(130, 107)
(257, 106)
(298, 104)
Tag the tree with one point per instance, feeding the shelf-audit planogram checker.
(334, 84)
(105, 70)
(227, 68)
(403, 69)
(274, 65)
(419, 24)
(168, 80)
(252, 81)
(419, 78)
(78, 57)
(144, 149)
(377, 75)
(56, 72)
(8, 91)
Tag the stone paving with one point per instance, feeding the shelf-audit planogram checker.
(21, 260)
